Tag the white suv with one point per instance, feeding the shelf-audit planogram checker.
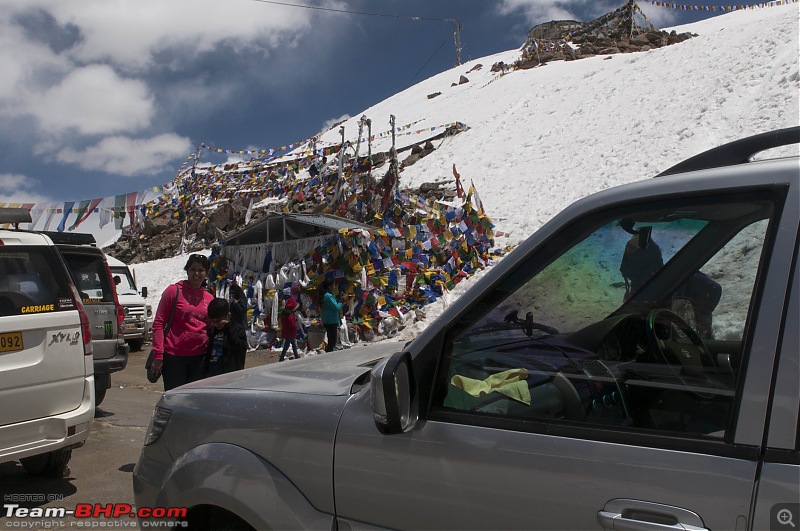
(46, 366)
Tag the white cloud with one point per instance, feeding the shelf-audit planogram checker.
(22, 63)
(333, 121)
(93, 100)
(16, 188)
(89, 77)
(128, 156)
(539, 11)
(130, 33)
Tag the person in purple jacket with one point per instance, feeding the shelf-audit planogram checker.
(180, 334)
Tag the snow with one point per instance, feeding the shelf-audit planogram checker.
(539, 139)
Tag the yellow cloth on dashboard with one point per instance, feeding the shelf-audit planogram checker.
(510, 383)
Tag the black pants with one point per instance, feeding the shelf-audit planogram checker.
(179, 370)
(332, 331)
(286, 344)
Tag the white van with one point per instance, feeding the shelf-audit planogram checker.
(138, 314)
(46, 364)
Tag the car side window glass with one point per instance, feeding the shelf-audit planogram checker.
(638, 322)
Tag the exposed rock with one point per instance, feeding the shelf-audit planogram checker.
(617, 32)
(462, 80)
(431, 96)
(417, 152)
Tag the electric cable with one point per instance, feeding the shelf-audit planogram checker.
(428, 61)
(364, 13)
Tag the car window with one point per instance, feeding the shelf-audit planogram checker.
(30, 284)
(635, 320)
(90, 277)
(125, 283)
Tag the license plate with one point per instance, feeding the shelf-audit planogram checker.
(11, 341)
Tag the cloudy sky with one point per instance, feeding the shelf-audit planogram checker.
(100, 98)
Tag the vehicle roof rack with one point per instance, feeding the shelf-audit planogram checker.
(15, 215)
(736, 152)
(71, 238)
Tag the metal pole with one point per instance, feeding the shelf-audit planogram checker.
(184, 201)
(341, 170)
(361, 123)
(631, 16)
(394, 166)
(369, 145)
(457, 36)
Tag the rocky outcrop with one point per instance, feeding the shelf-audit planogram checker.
(624, 30)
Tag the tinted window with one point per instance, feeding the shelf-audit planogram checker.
(89, 275)
(29, 283)
(639, 321)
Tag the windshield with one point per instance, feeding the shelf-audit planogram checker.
(126, 284)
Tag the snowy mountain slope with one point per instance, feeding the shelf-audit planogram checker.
(541, 138)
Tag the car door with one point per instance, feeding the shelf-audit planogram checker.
(562, 400)
(778, 501)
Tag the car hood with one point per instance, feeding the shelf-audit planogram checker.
(331, 373)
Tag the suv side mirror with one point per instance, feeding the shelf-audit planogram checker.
(144, 292)
(394, 396)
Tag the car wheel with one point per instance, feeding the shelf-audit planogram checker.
(136, 344)
(99, 395)
(51, 463)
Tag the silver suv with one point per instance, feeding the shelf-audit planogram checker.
(92, 276)
(46, 381)
(632, 365)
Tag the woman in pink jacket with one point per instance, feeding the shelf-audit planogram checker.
(179, 327)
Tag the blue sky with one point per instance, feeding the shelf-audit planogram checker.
(102, 98)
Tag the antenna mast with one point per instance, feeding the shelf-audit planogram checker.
(457, 37)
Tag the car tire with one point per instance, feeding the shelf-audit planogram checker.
(51, 463)
(135, 344)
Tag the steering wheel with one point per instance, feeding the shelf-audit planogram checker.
(692, 356)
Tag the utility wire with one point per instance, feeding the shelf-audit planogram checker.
(318, 8)
(364, 13)
(428, 61)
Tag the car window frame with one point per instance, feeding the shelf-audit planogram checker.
(540, 257)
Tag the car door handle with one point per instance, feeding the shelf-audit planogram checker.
(638, 515)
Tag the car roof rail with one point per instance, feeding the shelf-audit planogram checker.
(71, 238)
(15, 215)
(736, 152)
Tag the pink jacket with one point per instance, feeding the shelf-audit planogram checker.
(187, 333)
